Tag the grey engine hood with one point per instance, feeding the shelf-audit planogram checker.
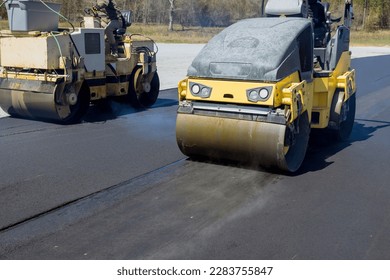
(259, 49)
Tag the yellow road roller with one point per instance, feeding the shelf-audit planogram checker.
(55, 74)
(256, 90)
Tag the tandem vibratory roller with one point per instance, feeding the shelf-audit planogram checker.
(256, 90)
(55, 74)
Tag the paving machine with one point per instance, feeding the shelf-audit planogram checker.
(256, 90)
(55, 74)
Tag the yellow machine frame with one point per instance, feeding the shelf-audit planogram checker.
(315, 96)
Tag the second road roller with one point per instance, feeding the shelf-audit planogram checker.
(256, 90)
(55, 74)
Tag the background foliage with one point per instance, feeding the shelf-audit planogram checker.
(369, 14)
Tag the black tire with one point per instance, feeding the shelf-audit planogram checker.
(137, 96)
(148, 99)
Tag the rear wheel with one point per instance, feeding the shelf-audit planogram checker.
(141, 92)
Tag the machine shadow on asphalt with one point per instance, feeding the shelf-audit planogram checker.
(320, 149)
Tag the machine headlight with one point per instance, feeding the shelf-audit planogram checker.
(264, 93)
(254, 95)
(205, 92)
(199, 90)
(259, 94)
(195, 89)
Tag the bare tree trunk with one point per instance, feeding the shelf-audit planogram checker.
(171, 12)
(146, 12)
(364, 14)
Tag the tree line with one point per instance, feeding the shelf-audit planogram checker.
(370, 14)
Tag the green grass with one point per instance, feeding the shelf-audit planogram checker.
(379, 38)
(160, 33)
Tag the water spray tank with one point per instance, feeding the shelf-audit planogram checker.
(32, 15)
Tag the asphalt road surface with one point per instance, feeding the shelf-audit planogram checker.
(117, 187)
